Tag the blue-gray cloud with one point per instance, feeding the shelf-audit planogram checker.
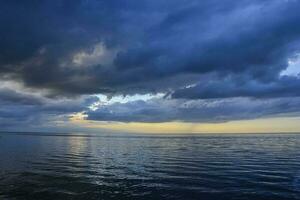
(21, 110)
(155, 41)
(165, 110)
(284, 86)
(188, 49)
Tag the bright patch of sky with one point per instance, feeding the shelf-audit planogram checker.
(104, 100)
(293, 68)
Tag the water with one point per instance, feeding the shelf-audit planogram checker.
(54, 166)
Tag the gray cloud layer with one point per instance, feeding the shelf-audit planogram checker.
(187, 49)
(284, 86)
(27, 111)
(155, 41)
(164, 110)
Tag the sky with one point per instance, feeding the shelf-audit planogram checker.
(150, 66)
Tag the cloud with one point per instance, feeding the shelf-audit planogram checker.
(205, 54)
(22, 110)
(212, 111)
(123, 48)
(284, 86)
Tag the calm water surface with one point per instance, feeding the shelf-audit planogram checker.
(56, 166)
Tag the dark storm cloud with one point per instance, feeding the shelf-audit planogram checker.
(27, 110)
(187, 49)
(155, 40)
(256, 37)
(9, 96)
(284, 86)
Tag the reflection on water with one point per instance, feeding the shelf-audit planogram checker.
(54, 166)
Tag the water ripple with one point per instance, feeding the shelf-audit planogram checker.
(150, 167)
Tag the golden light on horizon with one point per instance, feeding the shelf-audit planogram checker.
(266, 125)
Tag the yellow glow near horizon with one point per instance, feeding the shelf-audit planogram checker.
(280, 124)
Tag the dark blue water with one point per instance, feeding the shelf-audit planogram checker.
(52, 166)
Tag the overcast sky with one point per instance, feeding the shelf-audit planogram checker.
(71, 64)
